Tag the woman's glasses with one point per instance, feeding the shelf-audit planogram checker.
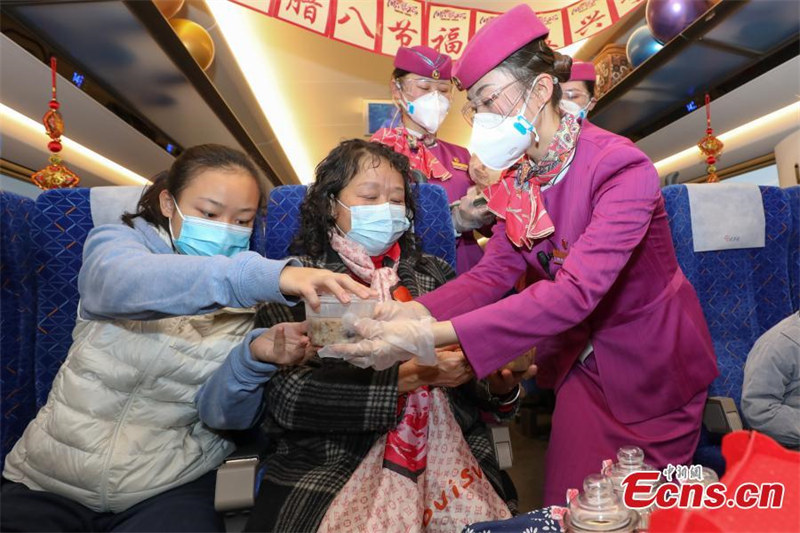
(489, 104)
(427, 85)
(577, 96)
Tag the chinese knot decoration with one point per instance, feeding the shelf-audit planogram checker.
(55, 175)
(710, 146)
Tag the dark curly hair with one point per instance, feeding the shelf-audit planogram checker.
(332, 175)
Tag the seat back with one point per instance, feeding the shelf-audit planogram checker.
(17, 318)
(432, 225)
(794, 246)
(743, 292)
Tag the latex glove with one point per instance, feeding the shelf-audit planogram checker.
(385, 343)
(481, 175)
(283, 344)
(467, 216)
(393, 310)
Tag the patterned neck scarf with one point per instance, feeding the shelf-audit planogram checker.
(356, 258)
(416, 149)
(517, 197)
(407, 444)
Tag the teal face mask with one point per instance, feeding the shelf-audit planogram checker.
(200, 236)
(377, 227)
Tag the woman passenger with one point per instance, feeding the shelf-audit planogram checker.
(325, 417)
(165, 296)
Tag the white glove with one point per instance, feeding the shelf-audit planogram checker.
(467, 216)
(385, 343)
(393, 310)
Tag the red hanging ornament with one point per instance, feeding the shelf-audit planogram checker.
(710, 146)
(55, 175)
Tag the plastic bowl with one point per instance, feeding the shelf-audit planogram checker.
(325, 326)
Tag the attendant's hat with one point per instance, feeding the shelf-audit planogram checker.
(424, 61)
(582, 71)
(498, 39)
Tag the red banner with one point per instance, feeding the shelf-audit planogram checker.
(383, 26)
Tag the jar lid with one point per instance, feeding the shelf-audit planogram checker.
(598, 508)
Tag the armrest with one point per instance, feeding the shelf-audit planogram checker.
(721, 416)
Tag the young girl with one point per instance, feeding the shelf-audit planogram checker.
(164, 298)
(328, 420)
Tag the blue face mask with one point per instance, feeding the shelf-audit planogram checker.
(200, 236)
(377, 227)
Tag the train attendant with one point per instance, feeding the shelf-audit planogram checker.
(577, 94)
(616, 325)
(422, 87)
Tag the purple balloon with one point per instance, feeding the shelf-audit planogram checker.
(667, 18)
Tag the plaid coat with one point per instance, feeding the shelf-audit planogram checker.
(324, 417)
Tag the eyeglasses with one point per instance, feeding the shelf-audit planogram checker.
(487, 105)
(426, 85)
(575, 95)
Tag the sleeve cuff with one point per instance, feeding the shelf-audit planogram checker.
(260, 281)
(247, 370)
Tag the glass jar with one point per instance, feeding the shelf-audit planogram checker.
(598, 508)
(630, 459)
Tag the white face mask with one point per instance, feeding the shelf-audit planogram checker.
(429, 110)
(574, 108)
(499, 142)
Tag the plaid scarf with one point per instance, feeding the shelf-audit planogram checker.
(517, 197)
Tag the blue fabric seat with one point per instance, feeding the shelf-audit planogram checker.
(743, 293)
(433, 224)
(17, 317)
(794, 246)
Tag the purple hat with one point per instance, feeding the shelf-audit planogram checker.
(425, 62)
(582, 71)
(497, 40)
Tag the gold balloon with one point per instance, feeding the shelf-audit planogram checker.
(196, 39)
(169, 8)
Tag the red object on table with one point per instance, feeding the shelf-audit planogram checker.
(752, 457)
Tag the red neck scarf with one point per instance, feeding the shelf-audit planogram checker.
(417, 151)
(517, 197)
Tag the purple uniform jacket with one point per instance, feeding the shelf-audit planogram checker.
(616, 283)
(456, 160)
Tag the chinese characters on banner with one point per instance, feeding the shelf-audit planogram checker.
(309, 14)
(588, 17)
(356, 23)
(402, 25)
(383, 26)
(448, 29)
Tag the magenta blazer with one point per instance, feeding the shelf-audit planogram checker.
(616, 282)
